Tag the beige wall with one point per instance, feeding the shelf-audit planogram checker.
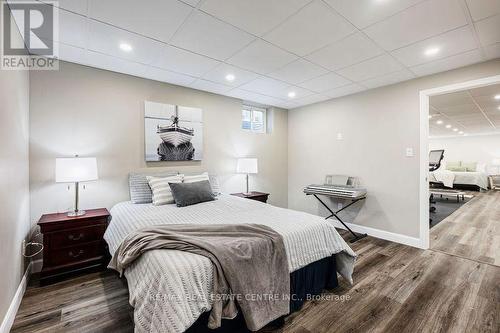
(99, 113)
(480, 148)
(14, 193)
(377, 126)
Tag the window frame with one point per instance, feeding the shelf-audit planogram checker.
(252, 109)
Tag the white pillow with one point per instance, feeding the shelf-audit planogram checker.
(162, 194)
(196, 178)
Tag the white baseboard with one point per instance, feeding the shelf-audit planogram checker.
(8, 320)
(390, 236)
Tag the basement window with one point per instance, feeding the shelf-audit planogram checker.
(253, 119)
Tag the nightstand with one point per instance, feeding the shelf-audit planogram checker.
(258, 196)
(73, 244)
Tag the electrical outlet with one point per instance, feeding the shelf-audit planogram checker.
(340, 205)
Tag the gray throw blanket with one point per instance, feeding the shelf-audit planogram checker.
(250, 266)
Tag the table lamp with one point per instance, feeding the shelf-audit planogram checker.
(247, 166)
(76, 170)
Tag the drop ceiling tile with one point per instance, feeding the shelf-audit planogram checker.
(480, 9)
(363, 13)
(448, 100)
(256, 16)
(489, 91)
(209, 86)
(257, 98)
(298, 71)
(488, 30)
(261, 57)
(456, 61)
(107, 39)
(162, 75)
(450, 43)
(192, 3)
(114, 64)
(203, 34)
(371, 68)
(158, 19)
(325, 82)
(424, 20)
(348, 51)
(71, 53)
(388, 79)
(313, 27)
(185, 62)
(311, 99)
(299, 93)
(492, 51)
(267, 86)
(75, 6)
(344, 91)
(241, 76)
(72, 29)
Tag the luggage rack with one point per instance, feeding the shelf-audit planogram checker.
(355, 194)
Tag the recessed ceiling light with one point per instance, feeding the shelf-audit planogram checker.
(439, 122)
(430, 116)
(461, 132)
(448, 126)
(497, 96)
(431, 51)
(291, 94)
(455, 130)
(126, 47)
(230, 77)
(498, 108)
(465, 134)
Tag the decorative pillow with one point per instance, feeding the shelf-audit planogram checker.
(452, 165)
(160, 187)
(186, 194)
(140, 192)
(456, 169)
(469, 166)
(214, 183)
(196, 178)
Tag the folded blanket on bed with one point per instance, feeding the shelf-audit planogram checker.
(250, 265)
(446, 177)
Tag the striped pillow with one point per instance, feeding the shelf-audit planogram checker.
(196, 178)
(140, 192)
(162, 194)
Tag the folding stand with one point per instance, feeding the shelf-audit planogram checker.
(334, 214)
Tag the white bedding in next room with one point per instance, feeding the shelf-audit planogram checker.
(450, 178)
(163, 284)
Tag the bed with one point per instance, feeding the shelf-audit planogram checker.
(452, 178)
(168, 289)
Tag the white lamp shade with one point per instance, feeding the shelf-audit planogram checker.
(76, 169)
(247, 165)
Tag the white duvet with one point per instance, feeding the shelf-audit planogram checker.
(449, 178)
(169, 289)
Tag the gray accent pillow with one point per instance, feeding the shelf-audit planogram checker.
(187, 194)
(140, 192)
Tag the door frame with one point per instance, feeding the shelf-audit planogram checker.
(424, 145)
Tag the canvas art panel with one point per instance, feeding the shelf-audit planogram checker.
(172, 132)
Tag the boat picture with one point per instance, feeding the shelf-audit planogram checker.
(172, 132)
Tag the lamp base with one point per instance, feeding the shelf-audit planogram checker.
(76, 213)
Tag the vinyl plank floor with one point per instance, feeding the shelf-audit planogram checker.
(396, 289)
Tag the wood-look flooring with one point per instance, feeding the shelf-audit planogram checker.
(473, 231)
(396, 289)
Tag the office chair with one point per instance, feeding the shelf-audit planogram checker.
(435, 159)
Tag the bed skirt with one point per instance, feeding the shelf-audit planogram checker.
(309, 280)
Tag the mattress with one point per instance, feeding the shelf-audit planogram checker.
(170, 289)
(479, 179)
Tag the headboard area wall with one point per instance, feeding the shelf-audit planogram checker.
(92, 112)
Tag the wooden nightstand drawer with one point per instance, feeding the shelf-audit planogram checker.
(73, 244)
(75, 254)
(74, 237)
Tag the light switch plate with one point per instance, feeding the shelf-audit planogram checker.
(409, 152)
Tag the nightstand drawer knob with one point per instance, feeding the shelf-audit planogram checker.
(70, 253)
(72, 237)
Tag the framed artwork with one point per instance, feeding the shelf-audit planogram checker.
(172, 132)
